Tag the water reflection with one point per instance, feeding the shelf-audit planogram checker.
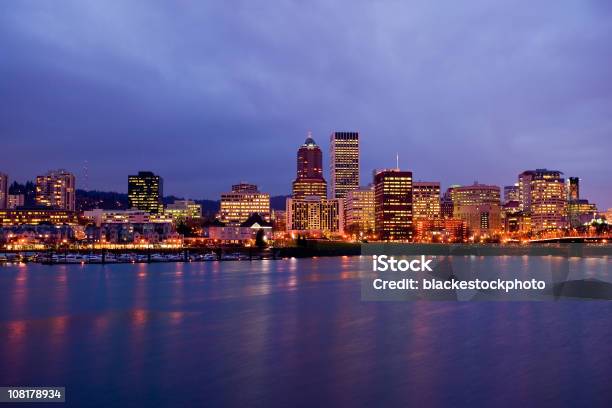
(294, 332)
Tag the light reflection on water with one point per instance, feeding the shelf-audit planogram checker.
(294, 332)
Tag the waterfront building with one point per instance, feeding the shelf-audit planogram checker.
(309, 180)
(15, 201)
(393, 205)
(243, 201)
(425, 200)
(35, 216)
(440, 230)
(344, 163)
(146, 192)
(543, 194)
(56, 189)
(245, 233)
(133, 216)
(359, 210)
(479, 205)
(315, 216)
(183, 209)
(4, 191)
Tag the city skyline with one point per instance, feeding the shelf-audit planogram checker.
(205, 91)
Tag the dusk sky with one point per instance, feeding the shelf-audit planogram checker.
(207, 94)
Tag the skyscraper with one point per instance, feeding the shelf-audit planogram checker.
(309, 180)
(393, 205)
(359, 210)
(511, 193)
(146, 192)
(240, 203)
(344, 163)
(3, 191)
(425, 200)
(56, 189)
(543, 195)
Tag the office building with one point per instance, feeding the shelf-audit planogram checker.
(309, 181)
(344, 163)
(479, 206)
(315, 216)
(580, 212)
(183, 209)
(56, 189)
(35, 216)
(425, 200)
(543, 194)
(243, 201)
(359, 210)
(146, 192)
(393, 205)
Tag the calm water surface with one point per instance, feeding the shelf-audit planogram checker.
(291, 333)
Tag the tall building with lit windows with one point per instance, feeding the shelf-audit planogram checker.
(359, 210)
(309, 181)
(243, 201)
(479, 206)
(344, 163)
(393, 205)
(315, 216)
(543, 195)
(3, 191)
(425, 200)
(146, 192)
(56, 189)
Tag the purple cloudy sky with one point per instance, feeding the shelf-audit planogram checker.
(208, 93)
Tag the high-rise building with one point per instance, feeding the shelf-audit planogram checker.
(511, 193)
(3, 191)
(359, 210)
(543, 195)
(479, 206)
(309, 181)
(243, 201)
(446, 203)
(573, 188)
(425, 200)
(56, 189)
(315, 216)
(393, 205)
(146, 192)
(344, 163)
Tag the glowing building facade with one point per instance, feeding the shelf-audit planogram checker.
(309, 181)
(543, 195)
(359, 210)
(479, 206)
(315, 216)
(344, 163)
(393, 205)
(425, 200)
(56, 189)
(183, 209)
(243, 201)
(146, 191)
